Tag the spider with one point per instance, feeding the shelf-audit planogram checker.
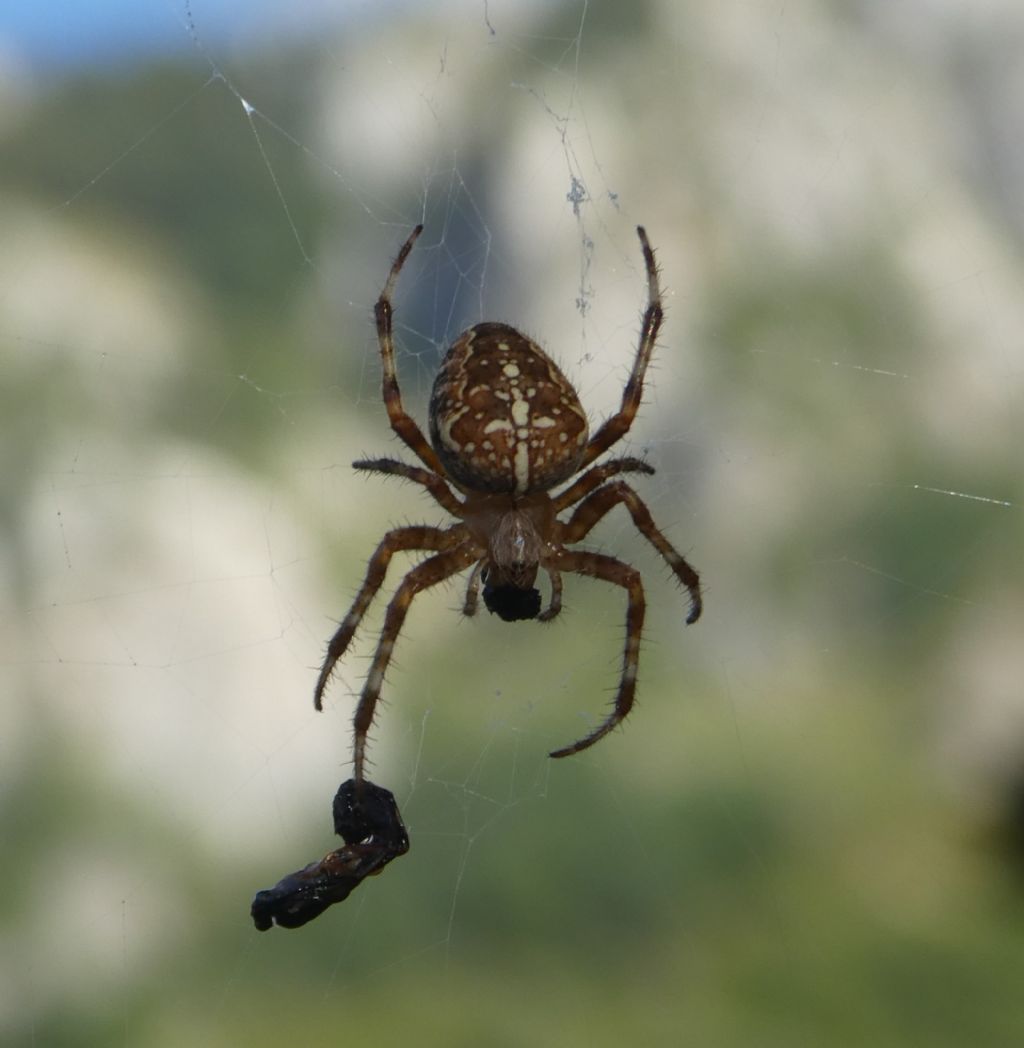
(506, 428)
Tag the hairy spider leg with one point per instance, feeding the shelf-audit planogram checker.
(429, 573)
(599, 502)
(420, 537)
(615, 428)
(555, 605)
(469, 605)
(434, 484)
(596, 477)
(599, 566)
(401, 422)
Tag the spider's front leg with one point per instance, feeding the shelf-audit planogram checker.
(609, 569)
(429, 573)
(401, 539)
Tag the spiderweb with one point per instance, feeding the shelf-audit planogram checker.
(811, 822)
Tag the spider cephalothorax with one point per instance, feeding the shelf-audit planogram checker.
(506, 427)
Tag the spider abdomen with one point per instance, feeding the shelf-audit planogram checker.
(503, 416)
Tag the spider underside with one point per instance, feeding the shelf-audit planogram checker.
(507, 427)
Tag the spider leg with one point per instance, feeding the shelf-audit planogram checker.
(426, 574)
(599, 502)
(616, 427)
(596, 477)
(434, 484)
(469, 606)
(609, 569)
(401, 539)
(555, 605)
(402, 423)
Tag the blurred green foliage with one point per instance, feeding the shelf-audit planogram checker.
(796, 871)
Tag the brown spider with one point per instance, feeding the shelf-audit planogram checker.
(506, 427)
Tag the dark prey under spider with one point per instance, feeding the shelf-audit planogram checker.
(506, 428)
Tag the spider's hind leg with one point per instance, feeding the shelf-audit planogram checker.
(617, 426)
(401, 421)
